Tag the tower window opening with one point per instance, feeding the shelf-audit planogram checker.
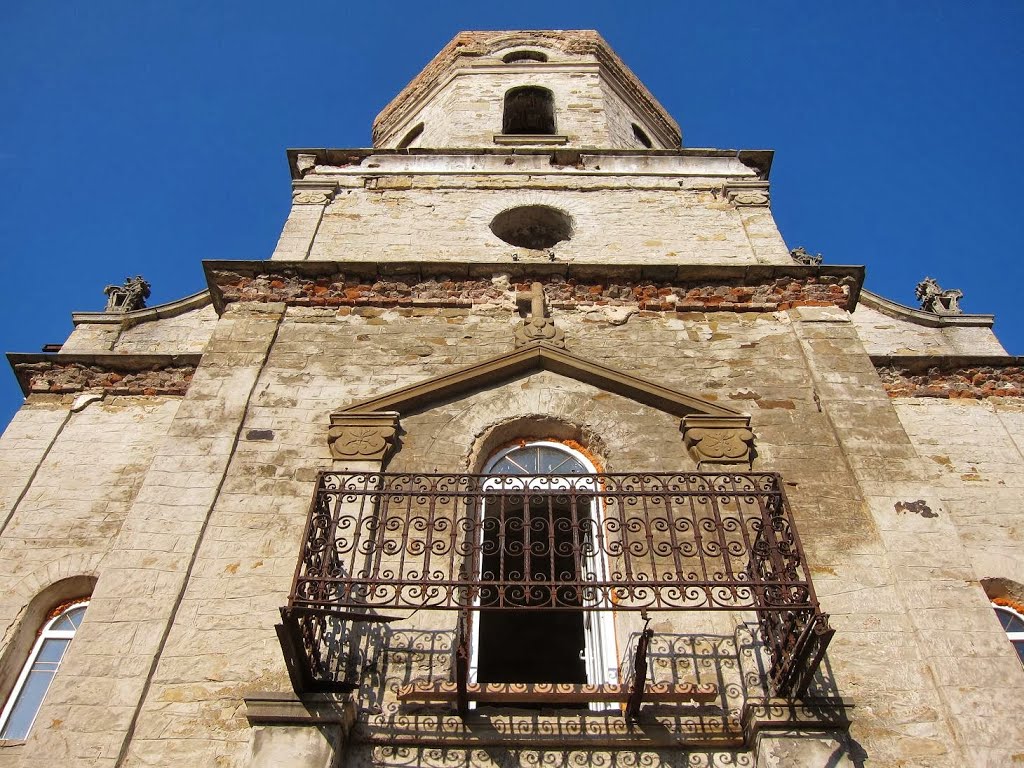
(411, 136)
(529, 110)
(515, 56)
(642, 137)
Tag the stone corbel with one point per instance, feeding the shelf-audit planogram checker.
(363, 436)
(749, 194)
(715, 441)
(312, 192)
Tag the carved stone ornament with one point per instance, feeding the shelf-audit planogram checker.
(801, 256)
(363, 436)
(747, 193)
(539, 329)
(128, 297)
(310, 197)
(719, 439)
(934, 299)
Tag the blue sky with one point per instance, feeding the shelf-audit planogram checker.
(143, 137)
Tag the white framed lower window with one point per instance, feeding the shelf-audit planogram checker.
(560, 646)
(30, 689)
(1013, 624)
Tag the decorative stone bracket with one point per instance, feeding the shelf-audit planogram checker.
(363, 436)
(719, 439)
(313, 192)
(539, 327)
(746, 193)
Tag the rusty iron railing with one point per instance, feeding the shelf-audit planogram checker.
(378, 544)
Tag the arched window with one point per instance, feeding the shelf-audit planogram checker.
(30, 689)
(639, 135)
(1013, 624)
(529, 110)
(540, 524)
(515, 56)
(411, 136)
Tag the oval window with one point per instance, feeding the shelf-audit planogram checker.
(532, 226)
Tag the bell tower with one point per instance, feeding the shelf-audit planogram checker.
(535, 89)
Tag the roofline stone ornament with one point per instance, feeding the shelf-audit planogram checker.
(801, 256)
(936, 300)
(128, 297)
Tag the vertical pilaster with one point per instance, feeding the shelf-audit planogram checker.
(142, 580)
(309, 199)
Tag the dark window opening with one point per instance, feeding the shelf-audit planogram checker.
(509, 58)
(411, 136)
(642, 137)
(532, 226)
(530, 545)
(529, 110)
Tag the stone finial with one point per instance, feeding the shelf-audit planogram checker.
(539, 327)
(936, 300)
(719, 439)
(363, 436)
(801, 256)
(128, 297)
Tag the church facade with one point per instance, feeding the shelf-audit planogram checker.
(531, 443)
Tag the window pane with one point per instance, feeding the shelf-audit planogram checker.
(1019, 647)
(1011, 621)
(27, 705)
(51, 652)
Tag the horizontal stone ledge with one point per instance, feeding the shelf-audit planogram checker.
(274, 708)
(68, 373)
(650, 287)
(557, 693)
(759, 160)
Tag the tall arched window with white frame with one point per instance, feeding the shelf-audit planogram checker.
(27, 696)
(540, 522)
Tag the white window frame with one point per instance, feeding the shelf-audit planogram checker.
(601, 653)
(47, 633)
(1013, 637)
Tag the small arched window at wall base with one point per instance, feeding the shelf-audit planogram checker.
(1012, 621)
(518, 56)
(641, 136)
(27, 696)
(411, 136)
(529, 111)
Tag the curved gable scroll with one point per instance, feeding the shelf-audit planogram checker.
(368, 430)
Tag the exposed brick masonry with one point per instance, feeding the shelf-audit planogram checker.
(972, 383)
(337, 291)
(62, 378)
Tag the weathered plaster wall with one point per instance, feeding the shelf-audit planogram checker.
(817, 408)
(664, 223)
(886, 335)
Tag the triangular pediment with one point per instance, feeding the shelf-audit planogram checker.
(528, 359)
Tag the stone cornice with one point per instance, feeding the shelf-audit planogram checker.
(920, 317)
(117, 374)
(964, 377)
(160, 311)
(354, 159)
(755, 287)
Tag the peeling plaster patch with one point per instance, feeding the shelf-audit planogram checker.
(918, 507)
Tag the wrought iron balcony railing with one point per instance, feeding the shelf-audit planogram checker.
(377, 544)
